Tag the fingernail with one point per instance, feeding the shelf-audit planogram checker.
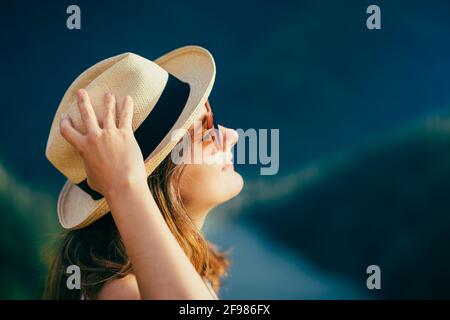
(63, 116)
(80, 95)
(108, 95)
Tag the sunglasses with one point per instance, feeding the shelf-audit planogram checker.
(210, 125)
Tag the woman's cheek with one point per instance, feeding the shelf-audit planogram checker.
(196, 181)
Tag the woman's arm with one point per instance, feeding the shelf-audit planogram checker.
(115, 167)
(162, 269)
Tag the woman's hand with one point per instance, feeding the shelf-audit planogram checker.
(111, 154)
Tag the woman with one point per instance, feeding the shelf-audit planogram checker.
(150, 246)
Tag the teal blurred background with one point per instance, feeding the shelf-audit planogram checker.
(364, 136)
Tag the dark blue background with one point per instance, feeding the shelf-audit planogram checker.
(347, 100)
(310, 68)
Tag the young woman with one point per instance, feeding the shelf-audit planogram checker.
(150, 246)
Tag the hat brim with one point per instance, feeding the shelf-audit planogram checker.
(192, 64)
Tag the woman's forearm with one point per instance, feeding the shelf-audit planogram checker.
(162, 269)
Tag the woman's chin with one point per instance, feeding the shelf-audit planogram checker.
(235, 182)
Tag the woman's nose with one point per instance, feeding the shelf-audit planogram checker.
(230, 137)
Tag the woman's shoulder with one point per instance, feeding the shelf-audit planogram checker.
(125, 288)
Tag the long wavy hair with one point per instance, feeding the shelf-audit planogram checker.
(100, 253)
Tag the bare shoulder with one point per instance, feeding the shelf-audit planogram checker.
(125, 288)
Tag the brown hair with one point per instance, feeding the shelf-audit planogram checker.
(100, 253)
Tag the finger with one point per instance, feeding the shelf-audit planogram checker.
(126, 113)
(69, 132)
(86, 111)
(109, 113)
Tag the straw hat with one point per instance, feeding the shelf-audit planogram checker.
(168, 93)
